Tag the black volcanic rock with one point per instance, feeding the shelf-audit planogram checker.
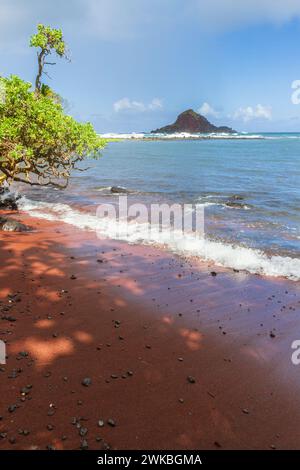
(192, 122)
(12, 225)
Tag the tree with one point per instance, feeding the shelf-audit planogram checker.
(48, 40)
(39, 143)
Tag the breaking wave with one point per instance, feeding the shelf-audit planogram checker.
(189, 244)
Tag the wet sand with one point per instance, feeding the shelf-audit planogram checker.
(173, 356)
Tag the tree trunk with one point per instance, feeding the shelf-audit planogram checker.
(40, 70)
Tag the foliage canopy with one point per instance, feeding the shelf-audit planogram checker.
(39, 143)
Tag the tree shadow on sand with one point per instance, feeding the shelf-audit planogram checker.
(175, 356)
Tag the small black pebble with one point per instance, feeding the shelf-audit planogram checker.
(86, 382)
(191, 379)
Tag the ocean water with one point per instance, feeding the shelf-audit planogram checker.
(248, 184)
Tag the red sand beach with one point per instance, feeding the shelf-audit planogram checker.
(173, 357)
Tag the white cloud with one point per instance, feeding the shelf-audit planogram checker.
(156, 103)
(251, 113)
(125, 104)
(116, 20)
(220, 15)
(207, 110)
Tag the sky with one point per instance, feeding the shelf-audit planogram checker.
(136, 64)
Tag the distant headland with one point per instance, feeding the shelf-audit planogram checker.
(192, 122)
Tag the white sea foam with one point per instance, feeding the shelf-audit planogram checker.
(189, 136)
(223, 254)
(105, 188)
(180, 136)
(224, 205)
(133, 135)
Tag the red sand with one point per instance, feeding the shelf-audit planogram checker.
(139, 310)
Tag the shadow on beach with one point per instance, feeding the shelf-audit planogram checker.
(126, 347)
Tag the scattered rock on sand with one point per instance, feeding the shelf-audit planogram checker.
(23, 354)
(50, 447)
(8, 318)
(191, 379)
(86, 382)
(83, 431)
(111, 422)
(12, 408)
(12, 225)
(84, 445)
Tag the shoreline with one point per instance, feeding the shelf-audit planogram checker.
(214, 251)
(178, 358)
(181, 138)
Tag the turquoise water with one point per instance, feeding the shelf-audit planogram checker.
(250, 187)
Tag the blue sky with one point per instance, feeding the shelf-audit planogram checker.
(137, 63)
